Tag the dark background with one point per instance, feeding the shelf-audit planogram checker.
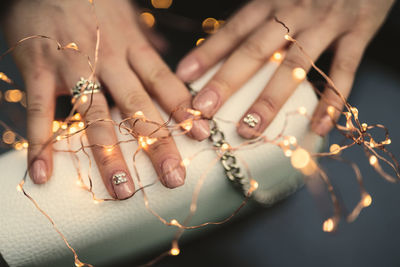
(290, 234)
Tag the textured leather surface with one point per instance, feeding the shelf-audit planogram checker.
(114, 230)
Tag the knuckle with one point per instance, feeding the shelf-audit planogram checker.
(294, 61)
(97, 111)
(268, 103)
(107, 159)
(134, 101)
(347, 64)
(157, 75)
(254, 49)
(36, 108)
(222, 84)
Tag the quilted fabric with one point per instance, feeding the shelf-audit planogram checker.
(113, 230)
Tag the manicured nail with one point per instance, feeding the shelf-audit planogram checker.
(187, 69)
(122, 187)
(173, 173)
(200, 130)
(39, 169)
(249, 125)
(323, 126)
(206, 101)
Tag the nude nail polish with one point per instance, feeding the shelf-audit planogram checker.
(200, 130)
(38, 172)
(206, 101)
(122, 187)
(249, 126)
(173, 173)
(187, 69)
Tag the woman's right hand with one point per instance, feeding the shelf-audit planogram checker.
(127, 66)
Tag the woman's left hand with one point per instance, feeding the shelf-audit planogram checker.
(252, 35)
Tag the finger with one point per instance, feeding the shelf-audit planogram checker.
(165, 87)
(108, 156)
(244, 62)
(219, 45)
(130, 97)
(349, 51)
(40, 86)
(280, 87)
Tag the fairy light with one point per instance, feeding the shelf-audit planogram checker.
(84, 98)
(56, 125)
(58, 138)
(302, 110)
(13, 96)
(20, 185)
(331, 111)
(302, 161)
(225, 147)
(109, 149)
(161, 3)
(72, 130)
(367, 200)
(288, 153)
(18, 146)
(174, 249)
(148, 19)
(253, 186)
(25, 144)
(299, 74)
(174, 222)
(200, 41)
(292, 140)
(328, 225)
(210, 25)
(77, 117)
(9, 137)
(194, 112)
(334, 148)
(64, 126)
(277, 56)
(187, 124)
(185, 162)
(5, 78)
(81, 124)
(373, 160)
(364, 127)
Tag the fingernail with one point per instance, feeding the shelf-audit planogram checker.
(173, 173)
(200, 130)
(323, 126)
(122, 187)
(206, 101)
(39, 169)
(249, 125)
(187, 69)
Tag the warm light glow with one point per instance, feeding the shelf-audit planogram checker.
(84, 99)
(109, 149)
(328, 225)
(199, 41)
(138, 114)
(355, 112)
(161, 3)
(5, 78)
(174, 222)
(387, 142)
(174, 251)
(81, 124)
(19, 186)
(187, 124)
(58, 138)
(367, 200)
(253, 185)
(72, 130)
(185, 162)
(77, 117)
(302, 111)
(73, 46)
(18, 146)
(373, 160)
(144, 141)
(292, 140)
(288, 153)
(334, 148)
(14, 95)
(25, 144)
(9, 137)
(225, 147)
(79, 183)
(56, 126)
(210, 25)
(193, 112)
(364, 126)
(299, 74)
(331, 111)
(277, 56)
(97, 201)
(148, 19)
(287, 37)
(285, 142)
(64, 126)
(300, 158)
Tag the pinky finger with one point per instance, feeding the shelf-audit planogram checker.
(349, 51)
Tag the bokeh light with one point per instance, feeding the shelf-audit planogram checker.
(148, 19)
(210, 25)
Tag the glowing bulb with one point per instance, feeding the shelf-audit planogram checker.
(300, 158)
(277, 56)
(84, 99)
(13, 96)
(5, 78)
(302, 111)
(373, 160)
(328, 225)
(292, 140)
(58, 138)
(72, 130)
(387, 142)
(331, 111)
(285, 142)
(81, 124)
(187, 125)
(200, 41)
(210, 25)
(174, 251)
(19, 186)
(64, 126)
(18, 146)
(288, 153)
(109, 149)
(151, 141)
(185, 162)
(354, 111)
(299, 74)
(77, 117)
(334, 148)
(56, 126)
(161, 3)
(25, 144)
(367, 200)
(138, 114)
(364, 126)
(79, 183)
(225, 147)
(253, 185)
(97, 201)
(287, 37)
(174, 222)
(148, 19)
(194, 112)
(9, 137)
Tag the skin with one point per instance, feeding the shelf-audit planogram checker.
(128, 68)
(251, 36)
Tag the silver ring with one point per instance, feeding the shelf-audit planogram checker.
(90, 87)
(250, 120)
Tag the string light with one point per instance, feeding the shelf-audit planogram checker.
(161, 3)
(8, 137)
(148, 19)
(277, 56)
(329, 225)
(302, 111)
(200, 41)
(13, 96)
(210, 25)
(299, 74)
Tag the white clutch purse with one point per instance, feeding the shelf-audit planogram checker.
(114, 230)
